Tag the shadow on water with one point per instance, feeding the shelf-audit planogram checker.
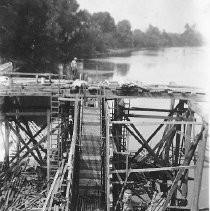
(97, 65)
(105, 69)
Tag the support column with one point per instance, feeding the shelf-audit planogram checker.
(7, 132)
(186, 148)
(199, 171)
(18, 143)
(107, 158)
(48, 149)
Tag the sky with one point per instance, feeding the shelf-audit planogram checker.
(170, 15)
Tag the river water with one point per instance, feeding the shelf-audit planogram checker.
(182, 66)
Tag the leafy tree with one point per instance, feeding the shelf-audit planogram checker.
(108, 29)
(89, 36)
(37, 33)
(153, 36)
(105, 21)
(124, 34)
(139, 39)
(40, 34)
(191, 37)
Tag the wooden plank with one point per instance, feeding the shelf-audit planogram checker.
(199, 171)
(107, 182)
(156, 117)
(179, 208)
(27, 74)
(68, 99)
(70, 163)
(25, 114)
(149, 123)
(147, 109)
(6, 144)
(48, 149)
(152, 169)
(90, 182)
(188, 131)
(90, 157)
(50, 191)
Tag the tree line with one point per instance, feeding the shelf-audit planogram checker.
(40, 34)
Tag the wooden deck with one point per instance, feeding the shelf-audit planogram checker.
(33, 85)
(90, 157)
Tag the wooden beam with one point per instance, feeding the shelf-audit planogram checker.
(187, 139)
(199, 171)
(71, 99)
(149, 123)
(29, 74)
(168, 136)
(29, 134)
(157, 117)
(157, 129)
(6, 144)
(173, 168)
(71, 157)
(25, 114)
(44, 208)
(24, 147)
(177, 147)
(107, 181)
(27, 147)
(143, 142)
(27, 153)
(147, 109)
(48, 150)
(180, 172)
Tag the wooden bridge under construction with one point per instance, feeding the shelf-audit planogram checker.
(84, 147)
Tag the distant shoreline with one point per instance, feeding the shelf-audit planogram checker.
(126, 51)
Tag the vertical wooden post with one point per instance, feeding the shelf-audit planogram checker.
(107, 157)
(48, 149)
(186, 148)
(7, 132)
(199, 171)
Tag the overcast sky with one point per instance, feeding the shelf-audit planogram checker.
(170, 15)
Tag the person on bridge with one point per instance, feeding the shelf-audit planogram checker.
(74, 67)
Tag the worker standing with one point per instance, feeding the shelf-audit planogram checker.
(74, 68)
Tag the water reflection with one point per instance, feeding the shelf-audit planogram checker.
(184, 66)
(105, 70)
(122, 69)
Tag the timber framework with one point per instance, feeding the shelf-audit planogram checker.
(68, 146)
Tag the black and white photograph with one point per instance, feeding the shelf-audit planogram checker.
(104, 105)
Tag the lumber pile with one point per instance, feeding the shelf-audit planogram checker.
(23, 189)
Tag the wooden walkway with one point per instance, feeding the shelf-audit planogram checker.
(90, 157)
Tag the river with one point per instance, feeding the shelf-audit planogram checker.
(182, 66)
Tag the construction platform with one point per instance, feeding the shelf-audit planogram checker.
(68, 145)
